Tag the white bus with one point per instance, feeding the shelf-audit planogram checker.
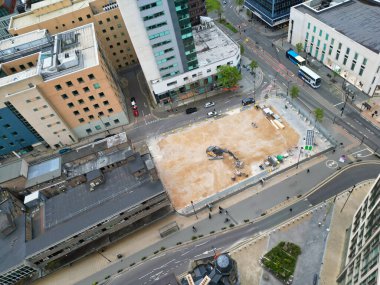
(309, 76)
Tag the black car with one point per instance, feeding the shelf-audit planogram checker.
(248, 101)
(191, 110)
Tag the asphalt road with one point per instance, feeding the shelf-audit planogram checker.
(176, 260)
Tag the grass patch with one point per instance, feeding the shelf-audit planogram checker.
(282, 259)
(212, 5)
(228, 25)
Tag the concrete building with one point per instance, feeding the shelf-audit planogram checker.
(72, 220)
(178, 60)
(344, 35)
(57, 16)
(362, 262)
(272, 12)
(56, 89)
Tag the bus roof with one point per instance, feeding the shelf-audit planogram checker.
(292, 53)
(310, 72)
(300, 58)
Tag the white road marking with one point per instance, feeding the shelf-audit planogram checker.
(360, 154)
(338, 104)
(186, 252)
(201, 243)
(331, 164)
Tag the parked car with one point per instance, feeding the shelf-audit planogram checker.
(212, 114)
(248, 101)
(191, 110)
(209, 104)
(64, 150)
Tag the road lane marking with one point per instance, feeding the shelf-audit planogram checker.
(186, 252)
(201, 243)
(338, 104)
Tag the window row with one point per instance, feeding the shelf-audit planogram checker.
(80, 80)
(106, 124)
(86, 110)
(108, 20)
(81, 102)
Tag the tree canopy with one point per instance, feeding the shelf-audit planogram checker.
(228, 76)
(294, 92)
(299, 47)
(319, 114)
(253, 65)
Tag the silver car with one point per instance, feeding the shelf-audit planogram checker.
(209, 104)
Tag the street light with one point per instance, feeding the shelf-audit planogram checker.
(195, 213)
(299, 156)
(102, 255)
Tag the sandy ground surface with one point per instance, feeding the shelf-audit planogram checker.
(189, 175)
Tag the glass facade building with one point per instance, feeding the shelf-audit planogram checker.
(272, 12)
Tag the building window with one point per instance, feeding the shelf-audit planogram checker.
(30, 64)
(13, 70)
(116, 121)
(22, 67)
(86, 89)
(91, 98)
(314, 29)
(76, 113)
(96, 85)
(308, 26)
(14, 133)
(115, 17)
(81, 101)
(91, 117)
(88, 131)
(88, 16)
(80, 19)
(327, 37)
(106, 103)
(75, 92)
(91, 76)
(58, 87)
(110, 110)
(70, 105)
(7, 126)
(100, 22)
(108, 20)
(96, 106)
(107, 124)
(64, 96)
(86, 109)
(320, 33)
(101, 94)
(69, 83)
(100, 114)
(97, 127)
(80, 80)
(81, 120)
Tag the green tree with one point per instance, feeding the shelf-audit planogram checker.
(299, 47)
(241, 49)
(294, 92)
(253, 65)
(228, 76)
(318, 114)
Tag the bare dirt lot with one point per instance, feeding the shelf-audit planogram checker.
(189, 175)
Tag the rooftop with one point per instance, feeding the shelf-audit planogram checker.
(212, 45)
(34, 16)
(78, 208)
(357, 20)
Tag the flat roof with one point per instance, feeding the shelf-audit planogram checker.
(355, 19)
(12, 247)
(212, 45)
(31, 18)
(11, 170)
(44, 171)
(78, 208)
(22, 39)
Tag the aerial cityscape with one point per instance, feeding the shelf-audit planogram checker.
(189, 142)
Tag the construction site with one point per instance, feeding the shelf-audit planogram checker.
(206, 158)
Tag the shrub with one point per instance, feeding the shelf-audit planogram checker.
(162, 248)
(108, 276)
(143, 258)
(157, 251)
(232, 225)
(212, 232)
(120, 270)
(223, 228)
(246, 220)
(178, 243)
(194, 237)
(133, 263)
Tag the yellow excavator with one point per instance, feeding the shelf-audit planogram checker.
(214, 152)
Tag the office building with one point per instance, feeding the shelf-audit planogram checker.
(362, 262)
(344, 35)
(197, 8)
(71, 213)
(57, 16)
(56, 89)
(272, 12)
(178, 60)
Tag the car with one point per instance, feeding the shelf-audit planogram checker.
(248, 101)
(209, 104)
(133, 101)
(135, 112)
(64, 150)
(191, 110)
(212, 114)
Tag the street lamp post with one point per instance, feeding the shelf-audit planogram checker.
(195, 213)
(102, 255)
(299, 156)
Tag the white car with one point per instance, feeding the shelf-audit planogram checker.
(209, 104)
(212, 114)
